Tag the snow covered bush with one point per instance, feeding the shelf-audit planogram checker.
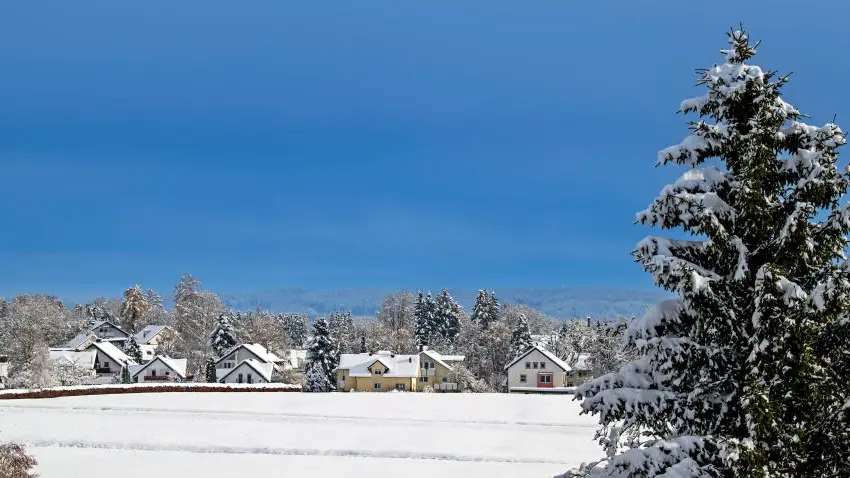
(15, 463)
(316, 380)
(746, 372)
(67, 374)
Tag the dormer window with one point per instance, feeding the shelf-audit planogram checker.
(378, 371)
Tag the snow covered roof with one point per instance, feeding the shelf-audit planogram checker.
(112, 352)
(79, 340)
(436, 357)
(453, 358)
(148, 333)
(296, 358)
(148, 351)
(582, 362)
(264, 369)
(399, 366)
(84, 359)
(178, 366)
(100, 323)
(263, 353)
(549, 355)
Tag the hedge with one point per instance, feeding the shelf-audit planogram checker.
(143, 388)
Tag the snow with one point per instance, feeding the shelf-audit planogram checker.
(549, 355)
(263, 353)
(78, 341)
(398, 365)
(83, 359)
(113, 352)
(221, 435)
(148, 333)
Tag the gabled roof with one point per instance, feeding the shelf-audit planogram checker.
(400, 366)
(112, 352)
(264, 369)
(147, 334)
(549, 355)
(84, 359)
(178, 366)
(99, 323)
(436, 357)
(262, 353)
(79, 340)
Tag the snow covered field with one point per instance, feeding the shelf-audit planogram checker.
(222, 435)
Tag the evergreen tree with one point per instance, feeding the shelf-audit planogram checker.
(746, 372)
(447, 315)
(316, 380)
(363, 348)
(521, 336)
(296, 328)
(125, 374)
(341, 325)
(422, 321)
(133, 350)
(486, 309)
(209, 371)
(223, 337)
(323, 353)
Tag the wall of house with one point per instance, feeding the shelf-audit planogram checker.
(245, 370)
(388, 384)
(348, 382)
(559, 376)
(578, 377)
(161, 370)
(104, 361)
(236, 357)
(107, 331)
(441, 373)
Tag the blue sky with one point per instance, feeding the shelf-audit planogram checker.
(374, 143)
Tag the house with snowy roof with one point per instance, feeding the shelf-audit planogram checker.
(109, 359)
(253, 359)
(382, 371)
(159, 369)
(537, 370)
(581, 371)
(80, 342)
(436, 371)
(153, 335)
(84, 360)
(107, 330)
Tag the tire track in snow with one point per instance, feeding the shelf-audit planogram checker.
(204, 449)
(291, 417)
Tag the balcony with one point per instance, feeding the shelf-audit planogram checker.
(102, 370)
(445, 387)
(426, 372)
(158, 378)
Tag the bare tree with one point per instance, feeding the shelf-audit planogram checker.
(195, 313)
(15, 463)
(133, 308)
(264, 329)
(396, 312)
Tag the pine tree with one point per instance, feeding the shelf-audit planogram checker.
(132, 348)
(521, 336)
(323, 353)
(316, 380)
(209, 371)
(486, 309)
(125, 374)
(296, 328)
(363, 348)
(447, 315)
(341, 324)
(422, 321)
(223, 337)
(746, 372)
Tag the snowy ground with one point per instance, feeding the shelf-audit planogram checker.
(221, 435)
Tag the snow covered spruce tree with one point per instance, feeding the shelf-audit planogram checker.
(486, 309)
(323, 354)
(746, 374)
(133, 349)
(447, 316)
(223, 336)
(521, 336)
(423, 319)
(209, 371)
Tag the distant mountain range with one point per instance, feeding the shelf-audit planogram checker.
(559, 303)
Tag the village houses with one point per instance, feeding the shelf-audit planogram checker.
(385, 371)
(249, 363)
(537, 370)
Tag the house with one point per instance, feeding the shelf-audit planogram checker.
(4, 371)
(154, 335)
(81, 342)
(256, 353)
(377, 372)
(82, 359)
(581, 371)
(436, 369)
(160, 369)
(108, 331)
(296, 360)
(537, 369)
(248, 371)
(109, 359)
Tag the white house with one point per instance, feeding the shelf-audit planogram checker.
(296, 360)
(247, 371)
(160, 369)
(81, 342)
(153, 335)
(108, 331)
(109, 359)
(248, 352)
(381, 371)
(537, 369)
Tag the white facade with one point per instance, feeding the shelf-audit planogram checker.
(109, 359)
(107, 330)
(161, 369)
(537, 368)
(248, 371)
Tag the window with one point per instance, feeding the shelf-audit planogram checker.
(425, 365)
(399, 386)
(240, 378)
(153, 372)
(105, 364)
(545, 379)
(424, 379)
(167, 372)
(378, 371)
(527, 364)
(542, 364)
(250, 378)
(523, 378)
(445, 379)
(535, 364)
(377, 386)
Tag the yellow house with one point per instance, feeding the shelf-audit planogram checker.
(436, 370)
(377, 372)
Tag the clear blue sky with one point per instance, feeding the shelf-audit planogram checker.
(330, 144)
